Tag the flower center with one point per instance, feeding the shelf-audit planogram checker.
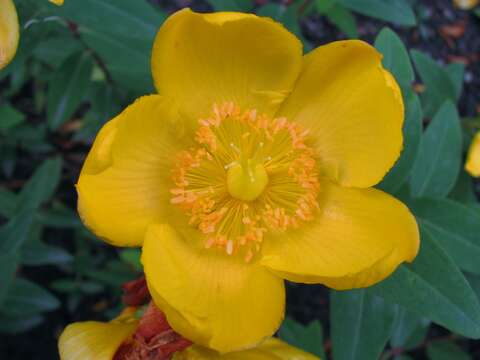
(247, 180)
(248, 175)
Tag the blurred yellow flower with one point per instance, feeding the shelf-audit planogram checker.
(473, 158)
(254, 164)
(9, 30)
(466, 4)
(93, 340)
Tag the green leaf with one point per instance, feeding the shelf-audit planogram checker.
(456, 73)
(27, 298)
(454, 226)
(23, 207)
(71, 286)
(16, 325)
(121, 18)
(439, 86)
(121, 32)
(396, 11)
(463, 190)
(105, 104)
(67, 88)
(8, 267)
(308, 338)
(132, 257)
(437, 165)
(59, 217)
(64, 285)
(232, 5)
(342, 18)
(8, 203)
(55, 50)
(41, 186)
(446, 350)
(395, 57)
(360, 324)
(324, 5)
(114, 274)
(118, 54)
(38, 253)
(14, 233)
(409, 330)
(9, 117)
(412, 133)
(474, 281)
(434, 287)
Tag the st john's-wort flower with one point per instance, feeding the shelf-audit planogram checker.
(465, 4)
(252, 165)
(9, 33)
(93, 340)
(9, 30)
(473, 158)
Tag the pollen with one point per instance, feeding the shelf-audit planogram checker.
(247, 175)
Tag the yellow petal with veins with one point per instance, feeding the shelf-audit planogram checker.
(359, 237)
(9, 32)
(201, 59)
(124, 183)
(212, 299)
(57, 2)
(354, 110)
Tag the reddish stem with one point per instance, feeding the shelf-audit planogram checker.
(136, 292)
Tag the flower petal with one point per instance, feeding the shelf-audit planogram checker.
(284, 351)
(473, 159)
(9, 32)
(353, 108)
(359, 238)
(270, 349)
(208, 297)
(93, 340)
(201, 59)
(125, 181)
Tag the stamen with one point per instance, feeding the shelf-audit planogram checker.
(229, 247)
(237, 219)
(234, 147)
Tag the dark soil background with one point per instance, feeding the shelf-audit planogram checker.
(304, 303)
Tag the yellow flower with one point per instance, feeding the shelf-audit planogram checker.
(465, 4)
(93, 340)
(9, 30)
(254, 164)
(473, 159)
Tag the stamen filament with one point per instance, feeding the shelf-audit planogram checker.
(250, 174)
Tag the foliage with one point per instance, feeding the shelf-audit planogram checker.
(78, 65)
